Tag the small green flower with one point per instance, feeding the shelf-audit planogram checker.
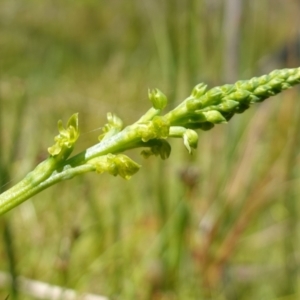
(190, 139)
(199, 90)
(161, 127)
(114, 125)
(119, 164)
(64, 142)
(158, 98)
(158, 148)
(158, 128)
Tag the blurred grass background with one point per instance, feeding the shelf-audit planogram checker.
(220, 224)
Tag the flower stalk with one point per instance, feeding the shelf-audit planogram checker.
(201, 110)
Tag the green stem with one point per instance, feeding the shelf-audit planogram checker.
(201, 110)
(51, 171)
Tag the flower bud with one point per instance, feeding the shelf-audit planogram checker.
(190, 139)
(213, 96)
(215, 117)
(276, 83)
(193, 104)
(158, 98)
(240, 95)
(264, 79)
(228, 105)
(228, 88)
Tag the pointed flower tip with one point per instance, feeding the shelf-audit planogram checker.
(199, 90)
(158, 98)
(73, 121)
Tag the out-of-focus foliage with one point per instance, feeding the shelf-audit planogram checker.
(220, 224)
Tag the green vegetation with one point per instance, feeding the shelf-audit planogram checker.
(201, 110)
(219, 221)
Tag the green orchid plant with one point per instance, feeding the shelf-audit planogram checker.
(201, 110)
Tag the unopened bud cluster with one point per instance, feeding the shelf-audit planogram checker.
(204, 109)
